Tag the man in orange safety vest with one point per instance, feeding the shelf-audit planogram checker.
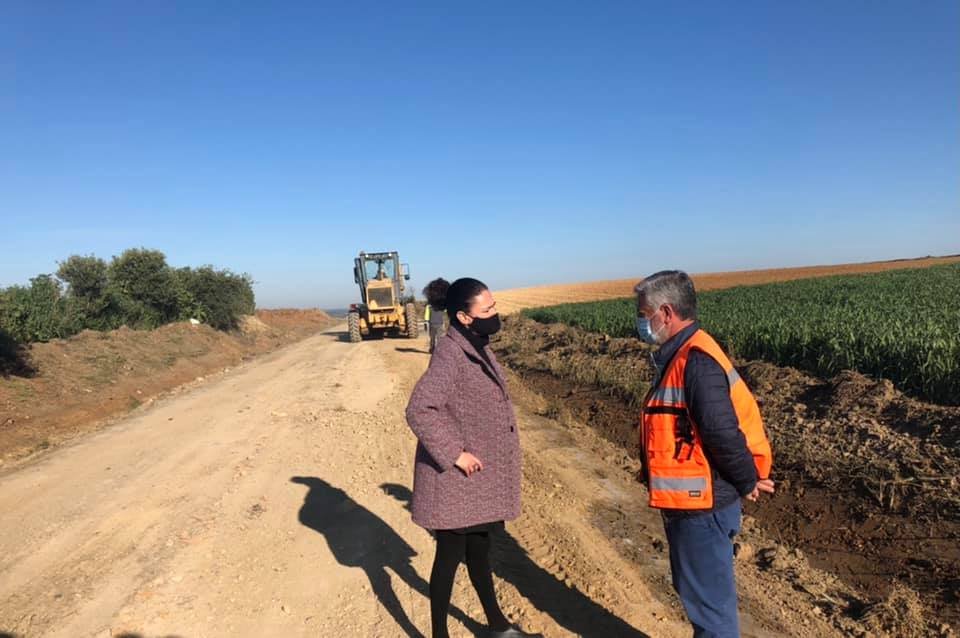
(703, 449)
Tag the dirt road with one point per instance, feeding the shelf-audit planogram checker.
(271, 502)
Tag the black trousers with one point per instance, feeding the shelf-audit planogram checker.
(453, 547)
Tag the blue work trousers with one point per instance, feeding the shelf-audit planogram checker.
(701, 563)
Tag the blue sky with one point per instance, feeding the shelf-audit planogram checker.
(520, 143)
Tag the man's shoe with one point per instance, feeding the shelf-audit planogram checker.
(512, 632)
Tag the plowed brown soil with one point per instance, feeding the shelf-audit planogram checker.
(868, 478)
(515, 299)
(75, 385)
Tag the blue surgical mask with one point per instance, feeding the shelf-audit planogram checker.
(644, 332)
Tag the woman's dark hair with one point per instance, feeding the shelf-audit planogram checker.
(436, 293)
(442, 295)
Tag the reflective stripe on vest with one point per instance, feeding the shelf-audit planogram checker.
(668, 396)
(675, 396)
(678, 484)
(679, 473)
(732, 377)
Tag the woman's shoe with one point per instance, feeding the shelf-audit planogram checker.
(512, 632)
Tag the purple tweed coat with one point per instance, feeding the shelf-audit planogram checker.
(457, 406)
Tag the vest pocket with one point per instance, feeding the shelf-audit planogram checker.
(661, 437)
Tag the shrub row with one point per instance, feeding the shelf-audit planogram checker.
(137, 289)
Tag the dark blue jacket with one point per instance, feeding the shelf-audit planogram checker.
(707, 393)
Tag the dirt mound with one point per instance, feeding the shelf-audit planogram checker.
(620, 366)
(79, 382)
(854, 391)
(901, 614)
(910, 445)
(868, 478)
(251, 325)
(300, 321)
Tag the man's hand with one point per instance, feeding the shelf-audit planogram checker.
(468, 463)
(763, 485)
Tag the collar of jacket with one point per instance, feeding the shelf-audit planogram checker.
(662, 357)
(473, 354)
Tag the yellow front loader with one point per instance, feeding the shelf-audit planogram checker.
(381, 278)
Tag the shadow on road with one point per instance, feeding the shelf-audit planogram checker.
(571, 609)
(359, 538)
(14, 360)
(416, 350)
(375, 335)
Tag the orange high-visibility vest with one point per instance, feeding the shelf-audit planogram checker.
(679, 475)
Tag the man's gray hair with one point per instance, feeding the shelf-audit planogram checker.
(671, 287)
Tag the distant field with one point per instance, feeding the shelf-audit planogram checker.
(901, 325)
(516, 299)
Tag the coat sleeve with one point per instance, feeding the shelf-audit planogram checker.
(708, 395)
(425, 411)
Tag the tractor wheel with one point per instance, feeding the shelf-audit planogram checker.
(353, 324)
(413, 327)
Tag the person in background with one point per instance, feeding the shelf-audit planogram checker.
(435, 294)
(703, 448)
(467, 466)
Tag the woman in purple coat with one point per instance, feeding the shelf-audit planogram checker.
(467, 477)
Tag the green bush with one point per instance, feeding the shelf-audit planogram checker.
(34, 312)
(137, 288)
(145, 287)
(86, 277)
(217, 297)
(89, 303)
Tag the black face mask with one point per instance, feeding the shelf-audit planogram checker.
(486, 326)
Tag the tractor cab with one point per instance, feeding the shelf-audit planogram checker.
(381, 278)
